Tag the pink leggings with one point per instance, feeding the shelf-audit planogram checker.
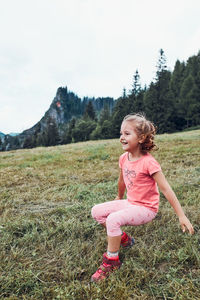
(118, 213)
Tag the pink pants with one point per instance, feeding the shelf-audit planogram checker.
(118, 213)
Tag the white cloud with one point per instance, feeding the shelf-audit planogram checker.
(91, 46)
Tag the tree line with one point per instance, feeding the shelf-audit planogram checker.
(171, 102)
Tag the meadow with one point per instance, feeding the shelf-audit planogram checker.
(50, 246)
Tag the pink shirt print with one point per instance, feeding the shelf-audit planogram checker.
(141, 187)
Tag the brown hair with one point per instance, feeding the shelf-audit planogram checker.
(145, 130)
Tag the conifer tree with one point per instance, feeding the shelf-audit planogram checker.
(124, 93)
(137, 94)
(5, 143)
(15, 142)
(121, 109)
(68, 133)
(89, 111)
(158, 99)
(107, 130)
(28, 142)
(193, 72)
(189, 106)
(41, 139)
(176, 82)
(82, 130)
(136, 87)
(52, 135)
(105, 114)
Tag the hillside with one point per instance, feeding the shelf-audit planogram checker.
(50, 245)
(64, 107)
(171, 102)
(2, 134)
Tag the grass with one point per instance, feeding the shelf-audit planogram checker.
(50, 246)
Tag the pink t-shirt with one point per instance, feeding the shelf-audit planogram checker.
(140, 185)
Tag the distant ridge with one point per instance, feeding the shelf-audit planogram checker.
(13, 133)
(65, 106)
(2, 134)
(171, 102)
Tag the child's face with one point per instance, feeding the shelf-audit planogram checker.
(128, 137)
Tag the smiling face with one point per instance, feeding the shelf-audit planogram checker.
(129, 138)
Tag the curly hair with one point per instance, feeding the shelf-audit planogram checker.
(145, 130)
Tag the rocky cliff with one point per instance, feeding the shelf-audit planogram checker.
(65, 106)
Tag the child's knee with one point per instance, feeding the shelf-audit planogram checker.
(94, 212)
(113, 226)
(112, 222)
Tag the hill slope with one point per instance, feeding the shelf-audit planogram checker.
(50, 245)
(2, 134)
(65, 106)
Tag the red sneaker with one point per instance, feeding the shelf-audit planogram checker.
(108, 265)
(126, 240)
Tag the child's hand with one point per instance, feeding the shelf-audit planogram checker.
(185, 224)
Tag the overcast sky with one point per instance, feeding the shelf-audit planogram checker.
(91, 46)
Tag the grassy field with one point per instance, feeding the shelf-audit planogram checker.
(50, 246)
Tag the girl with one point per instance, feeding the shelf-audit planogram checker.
(139, 175)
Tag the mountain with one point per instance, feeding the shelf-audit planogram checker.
(64, 107)
(13, 133)
(2, 134)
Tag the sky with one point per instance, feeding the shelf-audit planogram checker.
(93, 47)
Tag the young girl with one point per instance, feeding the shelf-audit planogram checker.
(139, 175)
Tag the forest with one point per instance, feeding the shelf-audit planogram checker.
(171, 102)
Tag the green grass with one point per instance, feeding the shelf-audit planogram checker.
(50, 246)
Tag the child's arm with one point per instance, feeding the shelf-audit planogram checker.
(171, 197)
(121, 186)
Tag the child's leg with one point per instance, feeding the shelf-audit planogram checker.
(100, 212)
(128, 215)
(131, 215)
(117, 213)
(114, 243)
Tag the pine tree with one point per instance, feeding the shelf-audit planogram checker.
(89, 112)
(121, 109)
(107, 130)
(136, 87)
(41, 139)
(190, 107)
(137, 94)
(82, 130)
(161, 65)
(159, 105)
(193, 71)
(96, 133)
(124, 95)
(67, 138)
(5, 143)
(52, 135)
(105, 114)
(28, 142)
(176, 82)
(15, 142)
